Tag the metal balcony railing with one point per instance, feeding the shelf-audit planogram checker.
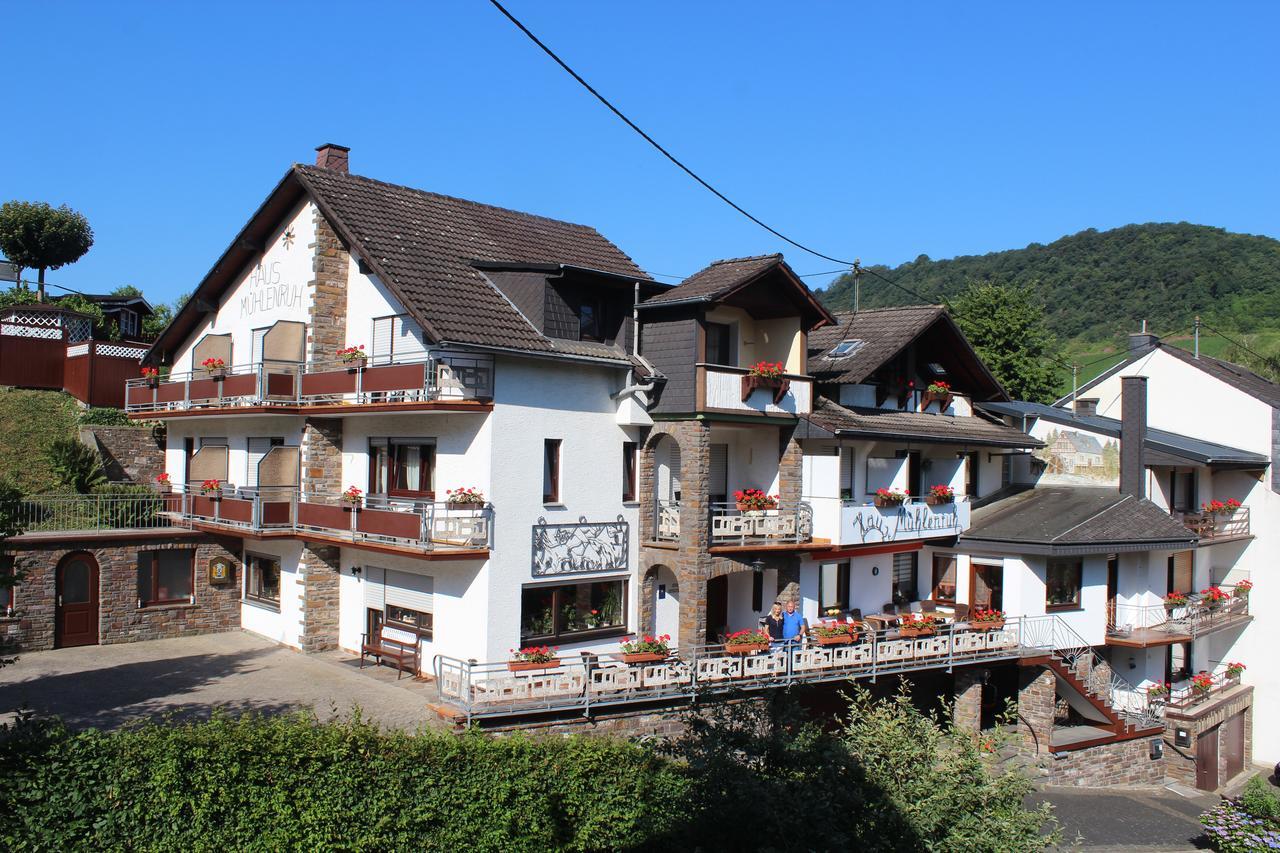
(436, 378)
(1157, 622)
(1210, 526)
(94, 512)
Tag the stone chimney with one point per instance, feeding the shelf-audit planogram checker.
(332, 157)
(1133, 431)
(1139, 342)
(1086, 406)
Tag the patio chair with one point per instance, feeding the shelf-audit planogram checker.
(962, 612)
(928, 606)
(890, 609)
(856, 614)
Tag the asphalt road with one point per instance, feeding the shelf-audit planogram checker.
(1118, 821)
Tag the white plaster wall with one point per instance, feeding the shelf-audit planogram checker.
(464, 445)
(284, 626)
(741, 614)
(367, 299)
(867, 591)
(274, 287)
(237, 431)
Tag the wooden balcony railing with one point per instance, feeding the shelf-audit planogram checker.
(440, 378)
(1211, 526)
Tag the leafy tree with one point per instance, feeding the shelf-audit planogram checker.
(36, 235)
(1008, 331)
(126, 290)
(11, 524)
(1251, 353)
(76, 466)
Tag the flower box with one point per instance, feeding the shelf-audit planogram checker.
(779, 384)
(218, 373)
(837, 640)
(992, 625)
(745, 648)
(938, 500)
(917, 631)
(888, 501)
(526, 665)
(943, 400)
(358, 363)
(643, 657)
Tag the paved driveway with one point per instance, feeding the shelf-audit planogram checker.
(106, 686)
(1118, 821)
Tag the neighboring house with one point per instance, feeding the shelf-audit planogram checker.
(126, 314)
(1073, 451)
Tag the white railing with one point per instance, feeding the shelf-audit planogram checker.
(728, 389)
(667, 519)
(861, 524)
(1098, 677)
(1193, 619)
(1184, 694)
(783, 524)
(1220, 525)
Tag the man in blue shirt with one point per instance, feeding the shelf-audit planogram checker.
(793, 624)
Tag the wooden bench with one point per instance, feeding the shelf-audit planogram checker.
(394, 644)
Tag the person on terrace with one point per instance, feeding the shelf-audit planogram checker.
(794, 626)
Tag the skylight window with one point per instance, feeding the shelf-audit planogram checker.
(937, 369)
(844, 349)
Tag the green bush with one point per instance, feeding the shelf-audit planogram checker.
(288, 783)
(1261, 800)
(128, 505)
(103, 416)
(74, 465)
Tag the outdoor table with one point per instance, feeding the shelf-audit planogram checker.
(881, 621)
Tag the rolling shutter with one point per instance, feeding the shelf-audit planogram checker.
(374, 594)
(405, 589)
(258, 448)
(255, 347)
(397, 338)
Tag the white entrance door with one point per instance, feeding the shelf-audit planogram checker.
(666, 604)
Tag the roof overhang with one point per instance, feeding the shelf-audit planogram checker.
(1074, 549)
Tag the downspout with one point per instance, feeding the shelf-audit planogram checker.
(632, 386)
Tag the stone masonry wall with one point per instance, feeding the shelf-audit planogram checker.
(321, 458)
(129, 454)
(319, 568)
(327, 315)
(1180, 761)
(216, 608)
(968, 699)
(1125, 763)
(1036, 693)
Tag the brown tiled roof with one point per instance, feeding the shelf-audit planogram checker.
(717, 279)
(883, 332)
(1077, 520)
(835, 419)
(422, 244)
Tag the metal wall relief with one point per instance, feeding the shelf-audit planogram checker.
(567, 549)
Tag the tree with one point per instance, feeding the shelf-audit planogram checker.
(34, 234)
(75, 465)
(1008, 330)
(126, 290)
(10, 525)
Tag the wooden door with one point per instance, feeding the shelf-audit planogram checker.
(718, 608)
(1113, 587)
(1207, 761)
(986, 585)
(76, 605)
(1232, 742)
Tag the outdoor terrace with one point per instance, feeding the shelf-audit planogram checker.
(784, 527)
(1139, 626)
(1219, 527)
(439, 382)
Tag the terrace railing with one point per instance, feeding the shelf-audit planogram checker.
(784, 524)
(668, 521)
(93, 512)
(1194, 619)
(436, 378)
(1210, 526)
(1185, 695)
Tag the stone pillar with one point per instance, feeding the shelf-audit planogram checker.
(327, 315)
(788, 582)
(790, 467)
(1037, 693)
(693, 563)
(320, 569)
(647, 487)
(967, 713)
(321, 458)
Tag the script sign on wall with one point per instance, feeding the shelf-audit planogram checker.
(567, 549)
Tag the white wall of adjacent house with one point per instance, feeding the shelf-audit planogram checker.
(282, 625)
(1184, 399)
(272, 287)
(536, 400)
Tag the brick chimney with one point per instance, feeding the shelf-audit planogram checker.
(332, 157)
(1133, 431)
(1086, 406)
(1139, 342)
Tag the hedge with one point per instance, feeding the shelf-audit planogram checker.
(289, 783)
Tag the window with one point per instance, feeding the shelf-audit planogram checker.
(551, 471)
(944, 578)
(582, 610)
(757, 591)
(971, 463)
(848, 470)
(409, 620)
(720, 344)
(629, 473)
(1182, 491)
(6, 591)
(1177, 663)
(833, 587)
(402, 467)
(166, 577)
(591, 320)
(904, 577)
(262, 579)
(844, 349)
(1181, 571)
(1062, 584)
(128, 322)
(718, 475)
(397, 338)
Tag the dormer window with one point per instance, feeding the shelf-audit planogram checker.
(937, 369)
(591, 320)
(845, 349)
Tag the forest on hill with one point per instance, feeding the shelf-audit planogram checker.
(1096, 285)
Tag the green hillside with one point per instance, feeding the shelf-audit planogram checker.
(1096, 285)
(29, 420)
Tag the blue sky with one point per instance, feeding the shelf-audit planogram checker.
(881, 131)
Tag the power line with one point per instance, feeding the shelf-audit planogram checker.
(1273, 362)
(647, 138)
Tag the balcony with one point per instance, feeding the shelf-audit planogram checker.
(421, 528)
(1219, 527)
(728, 390)
(866, 524)
(1139, 626)
(785, 526)
(441, 382)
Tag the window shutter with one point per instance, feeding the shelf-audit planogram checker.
(255, 348)
(374, 587)
(407, 342)
(718, 482)
(382, 335)
(405, 589)
(210, 441)
(670, 470)
(258, 448)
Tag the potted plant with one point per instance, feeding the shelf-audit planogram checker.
(919, 625)
(163, 483)
(353, 357)
(1234, 669)
(352, 498)
(890, 498)
(1231, 505)
(1175, 599)
(1159, 691)
(1214, 597)
(152, 376)
(987, 620)
(835, 633)
(754, 500)
(766, 374)
(211, 489)
(938, 392)
(533, 657)
(1242, 589)
(464, 497)
(215, 367)
(940, 494)
(746, 642)
(646, 649)
(1201, 684)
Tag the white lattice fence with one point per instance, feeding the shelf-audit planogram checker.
(77, 350)
(119, 351)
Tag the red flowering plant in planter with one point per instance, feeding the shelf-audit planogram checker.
(1243, 587)
(465, 495)
(353, 355)
(152, 375)
(754, 500)
(646, 649)
(1234, 669)
(988, 620)
(938, 392)
(211, 487)
(768, 369)
(352, 496)
(533, 657)
(162, 479)
(1175, 599)
(1214, 596)
(919, 624)
(940, 494)
(1202, 683)
(1159, 690)
(746, 641)
(890, 497)
(214, 366)
(835, 633)
(766, 374)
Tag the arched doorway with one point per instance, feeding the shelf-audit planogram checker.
(76, 605)
(664, 603)
(666, 490)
